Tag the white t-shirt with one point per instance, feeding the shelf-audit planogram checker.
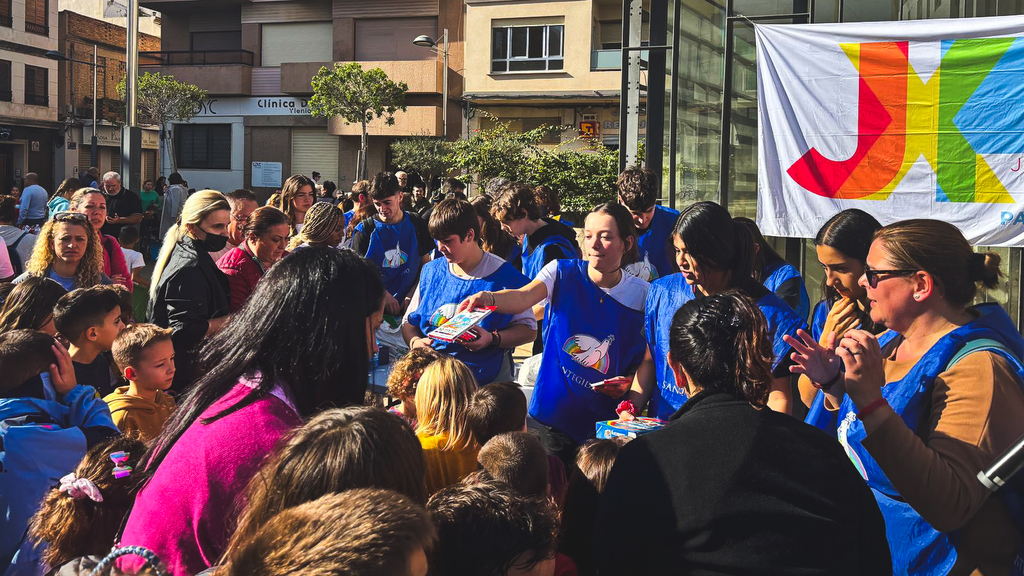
(631, 291)
(133, 259)
(488, 265)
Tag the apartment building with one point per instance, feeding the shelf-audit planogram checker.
(28, 91)
(540, 62)
(256, 60)
(78, 35)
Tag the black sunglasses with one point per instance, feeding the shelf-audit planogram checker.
(873, 275)
(70, 217)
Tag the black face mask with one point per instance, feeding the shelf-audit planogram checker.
(214, 242)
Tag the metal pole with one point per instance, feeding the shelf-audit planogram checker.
(444, 84)
(132, 61)
(95, 69)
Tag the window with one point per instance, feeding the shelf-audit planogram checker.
(527, 48)
(297, 42)
(5, 81)
(5, 14)
(391, 38)
(228, 40)
(203, 145)
(36, 84)
(36, 17)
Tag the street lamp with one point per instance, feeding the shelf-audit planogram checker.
(428, 42)
(57, 55)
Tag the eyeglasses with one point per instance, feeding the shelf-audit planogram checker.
(873, 275)
(70, 217)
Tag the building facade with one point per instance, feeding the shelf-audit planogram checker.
(79, 34)
(28, 91)
(256, 60)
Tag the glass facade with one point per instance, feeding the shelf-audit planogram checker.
(710, 142)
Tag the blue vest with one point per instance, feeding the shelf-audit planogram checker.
(394, 249)
(348, 216)
(440, 294)
(588, 337)
(653, 260)
(533, 256)
(916, 547)
(666, 296)
(779, 273)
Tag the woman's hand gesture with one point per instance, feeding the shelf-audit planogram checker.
(862, 355)
(817, 362)
(841, 317)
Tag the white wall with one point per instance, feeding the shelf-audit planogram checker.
(222, 180)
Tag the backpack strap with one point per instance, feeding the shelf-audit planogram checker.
(18, 241)
(979, 345)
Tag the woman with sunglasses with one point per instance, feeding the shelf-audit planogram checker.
(920, 416)
(68, 251)
(93, 204)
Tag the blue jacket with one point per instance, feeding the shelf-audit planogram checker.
(41, 440)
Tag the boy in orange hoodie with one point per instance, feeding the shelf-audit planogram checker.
(145, 356)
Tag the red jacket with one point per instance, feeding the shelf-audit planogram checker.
(243, 271)
(113, 260)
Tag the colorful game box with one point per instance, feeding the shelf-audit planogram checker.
(456, 328)
(629, 428)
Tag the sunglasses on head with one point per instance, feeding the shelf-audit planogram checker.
(70, 217)
(873, 276)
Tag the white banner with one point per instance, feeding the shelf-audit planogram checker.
(918, 119)
(256, 106)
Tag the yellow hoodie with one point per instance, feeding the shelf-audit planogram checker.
(138, 415)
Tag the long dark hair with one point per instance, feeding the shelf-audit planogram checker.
(30, 304)
(289, 331)
(717, 242)
(721, 341)
(764, 254)
(850, 232)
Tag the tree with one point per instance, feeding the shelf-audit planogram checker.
(425, 155)
(358, 96)
(162, 100)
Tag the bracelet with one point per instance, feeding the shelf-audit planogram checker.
(495, 339)
(491, 294)
(830, 383)
(862, 413)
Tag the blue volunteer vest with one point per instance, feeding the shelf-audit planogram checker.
(653, 259)
(779, 273)
(348, 216)
(916, 547)
(394, 249)
(664, 299)
(440, 294)
(533, 256)
(589, 337)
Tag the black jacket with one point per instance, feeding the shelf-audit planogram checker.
(728, 489)
(191, 291)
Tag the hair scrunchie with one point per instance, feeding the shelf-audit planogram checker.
(79, 488)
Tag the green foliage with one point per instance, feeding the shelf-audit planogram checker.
(358, 96)
(425, 155)
(163, 99)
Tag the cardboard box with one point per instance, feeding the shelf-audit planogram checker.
(629, 428)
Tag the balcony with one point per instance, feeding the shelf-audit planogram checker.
(6, 96)
(6, 21)
(219, 72)
(34, 28)
(37, 99)
(610, 59)
(422, 76)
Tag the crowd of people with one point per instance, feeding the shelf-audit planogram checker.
(231, 427)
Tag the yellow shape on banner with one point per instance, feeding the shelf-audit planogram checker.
(988, 188)
(853, 53)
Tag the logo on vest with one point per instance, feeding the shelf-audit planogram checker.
(395, 258)
(643, 270)
(443, 314)
(589, 352)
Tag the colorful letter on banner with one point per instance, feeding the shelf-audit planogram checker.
(919, 119)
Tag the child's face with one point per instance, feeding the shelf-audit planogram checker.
(154, 369)
(108, 331)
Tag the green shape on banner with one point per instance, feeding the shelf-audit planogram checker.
(964, 66)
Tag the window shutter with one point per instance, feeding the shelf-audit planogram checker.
(35, 12)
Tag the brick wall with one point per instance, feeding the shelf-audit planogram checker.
(79, 33)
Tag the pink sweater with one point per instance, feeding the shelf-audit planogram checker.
(183, 513)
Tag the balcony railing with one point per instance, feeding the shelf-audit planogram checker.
(37, 99)
(610, 59)
(37, 28)
(6, 96)
(195, 58)
(6, 21)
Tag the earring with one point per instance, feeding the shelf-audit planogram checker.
(917, 296)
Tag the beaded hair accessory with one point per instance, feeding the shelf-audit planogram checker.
(152, 560)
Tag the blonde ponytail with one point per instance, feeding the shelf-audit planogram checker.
(196, 209)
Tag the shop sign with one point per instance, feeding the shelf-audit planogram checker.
(256, 106)
(589, 129)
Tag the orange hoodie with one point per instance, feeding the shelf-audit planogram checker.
(136, 414)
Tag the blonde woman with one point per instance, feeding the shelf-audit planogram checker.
(297, 196)
(442, 399)
(68, 251)
(324, 226)
(189, 294)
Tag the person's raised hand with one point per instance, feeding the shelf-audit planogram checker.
(841, 317)
(817, 362)
(478, 300)
(862, 356)
(62, 372)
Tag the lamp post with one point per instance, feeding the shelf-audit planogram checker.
(57, 55)
(428, 42)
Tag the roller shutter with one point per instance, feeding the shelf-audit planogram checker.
(314, 150)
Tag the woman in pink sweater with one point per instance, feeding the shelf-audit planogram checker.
(270, 368)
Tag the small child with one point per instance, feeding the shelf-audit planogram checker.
(442, 400)
(81, 517)
(402, 381)
(499, 408)
(145, 358)
(90, 318)
(519, 460)
(128, 238)
(47, 423)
